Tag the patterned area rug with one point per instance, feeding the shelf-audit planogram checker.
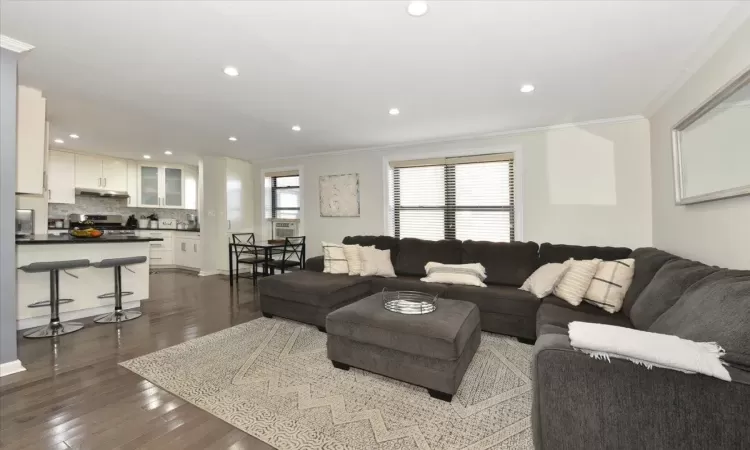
(272, 379)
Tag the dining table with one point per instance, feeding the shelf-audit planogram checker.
(267, 247)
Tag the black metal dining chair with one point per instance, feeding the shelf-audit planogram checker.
(292, 256)
(246, 255)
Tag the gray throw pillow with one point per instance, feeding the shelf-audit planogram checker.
(714, 309)
(667, 286)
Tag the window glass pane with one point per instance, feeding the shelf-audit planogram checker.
(483, 226)
(267, 200)
(287, 181)
(287, 214)
(287, 198)
(423, 224)
(422, 186)
(483, 184)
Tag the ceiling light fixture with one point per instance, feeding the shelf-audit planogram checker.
(526, 88)
(394, 111)
(231, 71)
(296, 128)
(417, 9)
(59, 141)
(168, 152)
(146, 156)
(74, 136)
(232, 138)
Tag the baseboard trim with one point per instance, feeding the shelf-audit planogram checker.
(38, 321)
(10, 368)
(208, 273)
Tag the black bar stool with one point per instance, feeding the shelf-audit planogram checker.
(118, 315)
(55, 327)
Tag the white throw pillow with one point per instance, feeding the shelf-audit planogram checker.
(610, 284)
(334, 260)
(376, 262)
(543, 281)
(468, 274)
(576, 280)
(351, 252)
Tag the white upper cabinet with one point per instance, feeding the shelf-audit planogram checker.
(61, 180)
(99, 172)
(31, 144)
(132, 183)
(115, 174)
(161, 186)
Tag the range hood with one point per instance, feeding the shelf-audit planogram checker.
(101, 193)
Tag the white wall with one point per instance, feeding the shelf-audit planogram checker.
(714, 232)
(586, 184)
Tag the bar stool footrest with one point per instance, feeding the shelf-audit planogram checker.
(44, 303)
(112, 294)
(118, 316)
(53, 330)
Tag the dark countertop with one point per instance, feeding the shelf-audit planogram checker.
(198, 230)
(68, 239)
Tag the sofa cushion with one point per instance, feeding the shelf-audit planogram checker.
(667, 286)
(414, 254)
(323, 290)
(714, 309)
(556, 311)
(509, 263)
(548, 328)
(497, 299)
(442, 334)
(407, 284)
(648, 261)
(380, 243)
(557, 253)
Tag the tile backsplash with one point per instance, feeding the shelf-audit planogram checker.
(107, 205)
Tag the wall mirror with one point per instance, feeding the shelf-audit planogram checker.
(711, 146)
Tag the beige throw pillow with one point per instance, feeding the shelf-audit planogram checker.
(351, 252)
(376, 262)
(610, 284)
(468, 274)
(543, 281)
(334, 260)
(576, 280)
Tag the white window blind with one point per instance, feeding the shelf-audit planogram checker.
(453, 198)
(282, 195)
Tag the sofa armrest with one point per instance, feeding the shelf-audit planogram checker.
(314, 264)
(581, 402)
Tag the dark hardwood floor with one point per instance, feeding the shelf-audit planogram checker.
(74, 395)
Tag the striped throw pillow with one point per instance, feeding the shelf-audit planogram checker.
(468, 274)
(609, 285)
(334, 260)
(576, 281)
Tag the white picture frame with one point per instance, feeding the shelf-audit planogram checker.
(339, 195)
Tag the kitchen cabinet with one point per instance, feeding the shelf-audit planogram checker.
(187, 250)
(61, 177)
(31, 141)
(161, 186)
(132, 183)
(98, 172)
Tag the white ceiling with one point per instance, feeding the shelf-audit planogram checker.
(137, 77)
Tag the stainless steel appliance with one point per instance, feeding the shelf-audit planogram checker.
(192, 221)
(24, 222)
(102, 193)
(109, 224)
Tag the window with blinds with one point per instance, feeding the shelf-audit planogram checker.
(282, 194)
(453, 198)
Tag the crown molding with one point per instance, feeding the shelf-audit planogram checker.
(14, 45)
(611, 120)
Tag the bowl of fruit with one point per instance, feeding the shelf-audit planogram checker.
(87, 231)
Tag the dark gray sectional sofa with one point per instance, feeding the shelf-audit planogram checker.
(579, 402)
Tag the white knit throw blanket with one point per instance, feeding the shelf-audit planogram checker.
(648, 349)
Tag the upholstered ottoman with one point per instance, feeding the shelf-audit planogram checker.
(431, 350)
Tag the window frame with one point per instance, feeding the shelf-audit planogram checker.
(275, 189)
(450, 208)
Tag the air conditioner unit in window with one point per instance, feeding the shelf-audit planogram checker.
(284, 228)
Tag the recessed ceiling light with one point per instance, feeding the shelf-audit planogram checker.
(526, 88)
(232, 138)
(231, 71)
(59, 141)
(74, 136)
(417, 9)
(296, 128)
(394, 111)
(168, 152)
(146, 156)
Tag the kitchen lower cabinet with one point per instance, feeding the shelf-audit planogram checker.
(187, 250)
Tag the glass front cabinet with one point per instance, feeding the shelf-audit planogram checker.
(161, 186)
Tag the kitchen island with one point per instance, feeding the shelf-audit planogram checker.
(91, 282)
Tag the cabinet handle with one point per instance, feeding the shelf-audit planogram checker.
(229, 224)
(183, 247)
(99, 183)
(105, 182)
(195, 248)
